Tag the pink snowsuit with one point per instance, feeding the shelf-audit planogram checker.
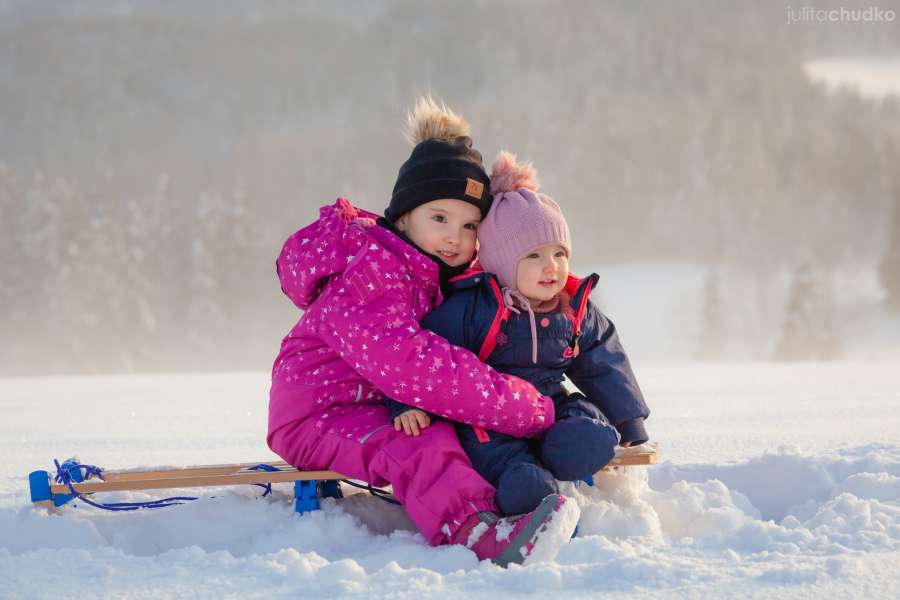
(364, 291)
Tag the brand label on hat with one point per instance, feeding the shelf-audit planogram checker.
(474, 188)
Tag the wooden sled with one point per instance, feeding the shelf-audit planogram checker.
(309, 486)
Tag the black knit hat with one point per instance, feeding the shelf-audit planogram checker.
(439, 169)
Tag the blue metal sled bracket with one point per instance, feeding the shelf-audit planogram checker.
(306, 495)
(330, 489)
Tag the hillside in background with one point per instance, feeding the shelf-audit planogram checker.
(154, 156)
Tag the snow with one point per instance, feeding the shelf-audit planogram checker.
(776, 480)
(651, 304)
(658, 308)
(869, 77)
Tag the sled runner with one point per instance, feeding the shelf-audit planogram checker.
(75, 480)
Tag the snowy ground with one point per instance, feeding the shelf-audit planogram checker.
(658, 309)
(777, 481)
(869, 77)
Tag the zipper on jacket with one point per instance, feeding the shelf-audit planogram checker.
(363, 439)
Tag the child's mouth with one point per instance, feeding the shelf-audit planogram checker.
(547, 283)
(447, 255)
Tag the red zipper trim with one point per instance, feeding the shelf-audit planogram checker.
(470, 272)
(579, 316)
(490, 341)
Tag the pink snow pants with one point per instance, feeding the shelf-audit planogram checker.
(430, 474)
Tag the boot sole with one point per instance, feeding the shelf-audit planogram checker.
(547, 523)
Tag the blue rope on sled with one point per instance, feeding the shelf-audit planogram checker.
(265, 486)
(65, 477)
(71, 472)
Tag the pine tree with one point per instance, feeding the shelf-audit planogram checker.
(890, 264)
(13, 274)
(809, 331)
(712, 319)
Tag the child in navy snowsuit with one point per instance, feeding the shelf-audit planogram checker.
(525, 315)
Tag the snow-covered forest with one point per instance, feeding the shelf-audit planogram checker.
(154, 156)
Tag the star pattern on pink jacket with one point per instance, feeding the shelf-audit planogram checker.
(364, 291)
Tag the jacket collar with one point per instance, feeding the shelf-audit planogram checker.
(577, 289)
(422, 268)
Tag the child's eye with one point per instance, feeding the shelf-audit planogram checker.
(560, 254)
(472, 226)
(533, 255)
(439, 218)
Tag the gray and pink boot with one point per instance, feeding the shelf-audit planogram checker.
(533, 537)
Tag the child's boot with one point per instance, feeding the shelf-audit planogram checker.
(533, 537)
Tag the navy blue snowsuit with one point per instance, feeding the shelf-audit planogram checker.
(576, 340)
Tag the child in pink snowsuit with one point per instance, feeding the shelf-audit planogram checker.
(364, 287)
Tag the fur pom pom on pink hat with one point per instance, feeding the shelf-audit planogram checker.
(520, 220)
(507, 175)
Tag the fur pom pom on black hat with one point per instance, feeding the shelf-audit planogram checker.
(443, 163)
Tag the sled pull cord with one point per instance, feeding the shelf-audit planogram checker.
(265, 486)
(377, 492)
(65, 477)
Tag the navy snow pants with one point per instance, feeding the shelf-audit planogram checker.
(579, 444)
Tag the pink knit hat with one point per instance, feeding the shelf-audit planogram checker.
(520, 220)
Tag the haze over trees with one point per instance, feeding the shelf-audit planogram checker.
(890, 264)
(154, 156)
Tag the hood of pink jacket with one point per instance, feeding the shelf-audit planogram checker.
(326, 247)
(314, 254)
